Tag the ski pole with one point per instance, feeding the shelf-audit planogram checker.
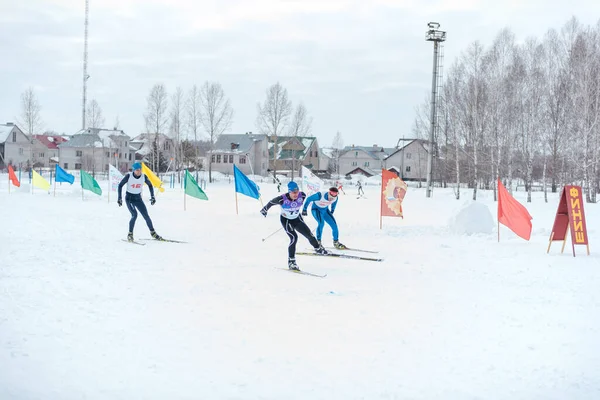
(272, 234)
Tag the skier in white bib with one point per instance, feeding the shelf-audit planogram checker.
(133, 198)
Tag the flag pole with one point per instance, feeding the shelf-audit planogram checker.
(54, 187)
(236, 204)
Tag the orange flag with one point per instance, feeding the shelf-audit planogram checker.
(13, 177)
(393, 190)
(513, 214)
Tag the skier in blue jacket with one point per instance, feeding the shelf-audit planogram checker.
(133, 198)
(321, 204)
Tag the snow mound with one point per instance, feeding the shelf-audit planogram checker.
(472, 218)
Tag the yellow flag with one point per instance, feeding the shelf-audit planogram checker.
(153, 178)
(39, 181)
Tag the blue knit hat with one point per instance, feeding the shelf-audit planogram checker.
(136, 165)
(292, 186)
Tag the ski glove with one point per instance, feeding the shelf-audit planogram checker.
(120, 202)
(264, 212)
(304, 213)
(152, 201)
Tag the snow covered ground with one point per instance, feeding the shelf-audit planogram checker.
(449, 314)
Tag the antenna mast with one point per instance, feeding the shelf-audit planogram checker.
(85, 62)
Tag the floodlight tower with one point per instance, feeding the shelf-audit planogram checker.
(85, 62)
(437, 37)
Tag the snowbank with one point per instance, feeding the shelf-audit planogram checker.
(473, 218)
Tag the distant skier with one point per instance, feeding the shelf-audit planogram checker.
(361, 192)
(278, 185)
(321, 204)
(133, 198)
(340, 186)
(291, 220)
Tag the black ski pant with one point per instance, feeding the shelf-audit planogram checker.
(134, 202)
(291, 226)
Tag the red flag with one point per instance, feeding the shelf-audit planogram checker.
(13, 177)
(512, 214)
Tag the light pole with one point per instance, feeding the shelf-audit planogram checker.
(436, 36)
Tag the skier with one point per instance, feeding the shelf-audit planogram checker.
(361, 192)
(133, 198)
(321, 203)
(292, 222)
(340, 186)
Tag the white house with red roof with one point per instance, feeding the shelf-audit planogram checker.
(45, 149)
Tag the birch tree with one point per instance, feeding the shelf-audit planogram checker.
(31, 120)
(176, 115)
(301, 126)
(93, 115)
(156, 119)
(193, 109)
(273, 117)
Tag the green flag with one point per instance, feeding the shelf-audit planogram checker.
(89, 183)
(192, 188)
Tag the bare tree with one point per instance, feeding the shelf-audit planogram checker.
(94, 115)
(156, 120)
(301, 126)
(177, 109)
(273, 117)
(194, 116)
(338, 145)
(117, 124)
(217, 115)
(30, 119)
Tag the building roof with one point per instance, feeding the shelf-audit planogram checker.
(50, 141)
(373, 151)
(286, 154)
(5, 130)
(82, 140)
(241, 143)
(407, 143)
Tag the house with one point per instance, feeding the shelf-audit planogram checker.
(409, 160)
(362, 160)
(293, 152)
(248, 151)
(93, 149)
(15, 147)
(45, 149)
(143, 148)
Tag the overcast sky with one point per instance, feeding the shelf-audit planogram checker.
(360, 67)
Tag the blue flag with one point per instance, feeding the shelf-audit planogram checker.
(244, 185)
(63, 176)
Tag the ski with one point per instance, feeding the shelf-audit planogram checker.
(300, 272)
(352, 249)
(134, 242)
(165, 240)
(306, 253)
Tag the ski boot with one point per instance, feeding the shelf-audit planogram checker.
(292, 264)
(155, 235)
(130, 237)
(321, 250)
(338, 245)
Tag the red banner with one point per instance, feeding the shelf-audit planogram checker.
(570, 214)
(393, 190)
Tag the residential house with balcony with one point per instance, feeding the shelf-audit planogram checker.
(144, 145)
(293, 152)
(363, 160)
(94, 149)
(248, 151)
(45, 149)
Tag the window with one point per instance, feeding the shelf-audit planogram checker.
(106, 167)
(66, 165)
(108, 154)
(408, 155)
(231, 159)
(225, 158)
(14, 137)
(356, 154)
(354, 163)
(20, 150)
(41, 155)
(366, 163)
(218, 158)
(242, 159)
(77, 166)
(129, 156)
(212, 158)
(408, 169)
(78, 153)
